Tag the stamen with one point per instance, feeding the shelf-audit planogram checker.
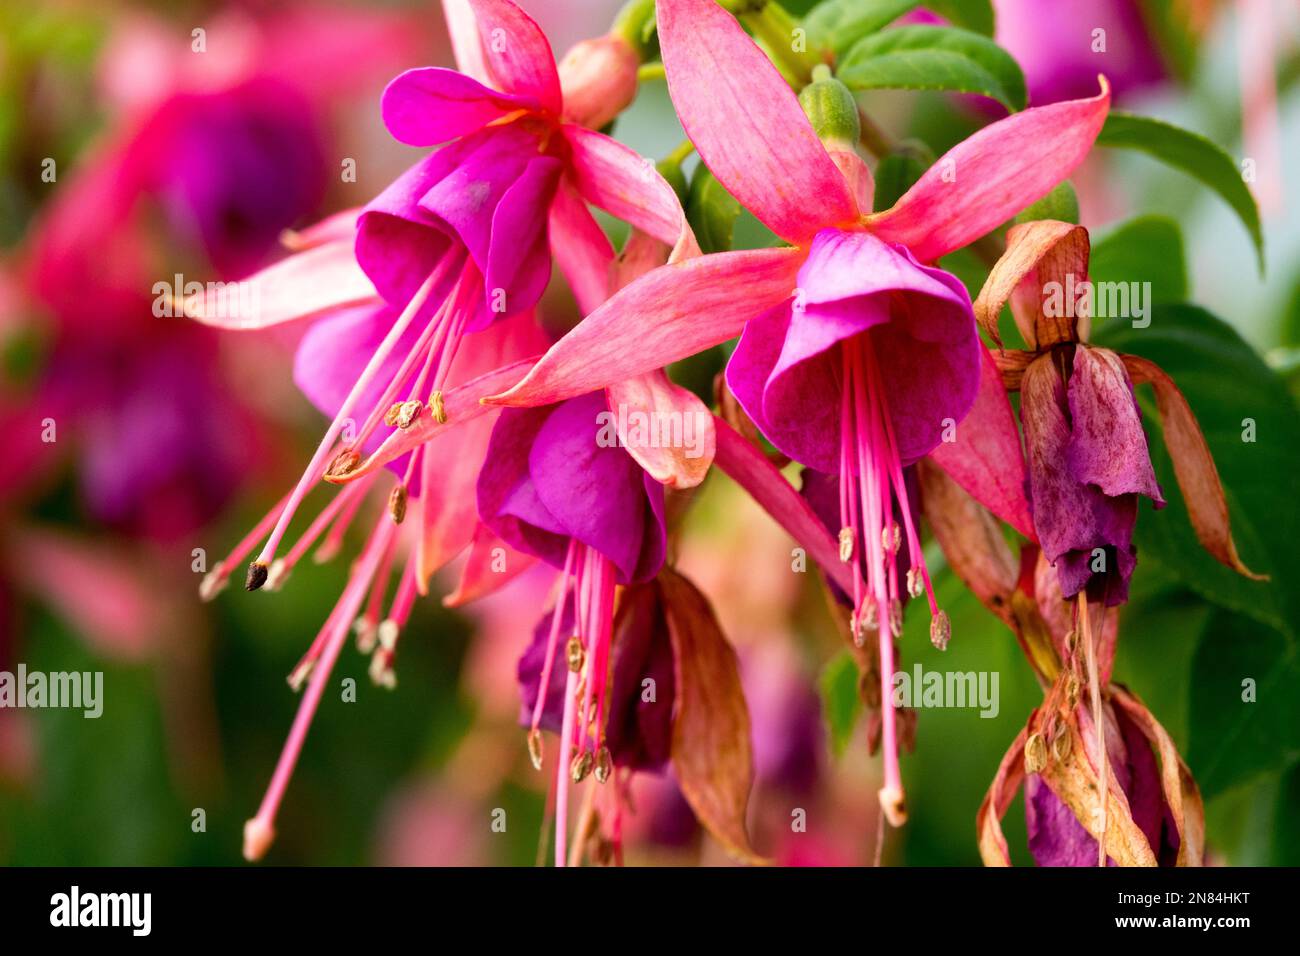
(437, 408)
(257, 575)
(260, 831)
(216, 580)
(557, 616)
(940, 630)
(315, 469)
(846, 545)
(397, 504)
(535, 748)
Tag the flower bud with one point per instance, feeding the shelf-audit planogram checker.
(831, 108)
(598, 79)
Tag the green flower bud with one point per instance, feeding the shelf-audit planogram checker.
(830, 105)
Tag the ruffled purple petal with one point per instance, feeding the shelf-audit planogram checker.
(398, 242)
(519, 259)
(919, 320)
(546, 481)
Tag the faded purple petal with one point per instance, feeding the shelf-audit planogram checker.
(1072, 519)
(1108, 447)
(785, 370)
(432, 105)
(1056, 838)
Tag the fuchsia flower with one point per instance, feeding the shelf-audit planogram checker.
(856, 353)
(460, 244)
(1087, 452)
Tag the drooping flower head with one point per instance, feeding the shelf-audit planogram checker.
(550, 487)
(856, 353)
(460, 244)
(1087, 450)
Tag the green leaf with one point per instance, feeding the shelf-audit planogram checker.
(711, 211)
(1060, 204)
(1193, 154)
(935, 58)
(899, 171)
(1234, 740)
(841, 703)
(838, 24)
(1232, 393)
(1145, 249)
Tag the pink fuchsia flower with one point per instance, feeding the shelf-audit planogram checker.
(401, 283)
(888, 341)
(1087, 451)
(465, 236)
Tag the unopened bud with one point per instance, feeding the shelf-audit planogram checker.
(831, 108)
(598, 79)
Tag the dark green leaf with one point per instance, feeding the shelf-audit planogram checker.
(1231, 391)
(1145, 249)
(1234, 740)
(899, 171)
(838, 24)
(1193, 154)
(935, 58)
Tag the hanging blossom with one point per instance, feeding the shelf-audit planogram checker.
(859, 372)
(460, 245)
(1087, 452)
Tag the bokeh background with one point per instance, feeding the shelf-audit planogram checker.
(171, 441)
